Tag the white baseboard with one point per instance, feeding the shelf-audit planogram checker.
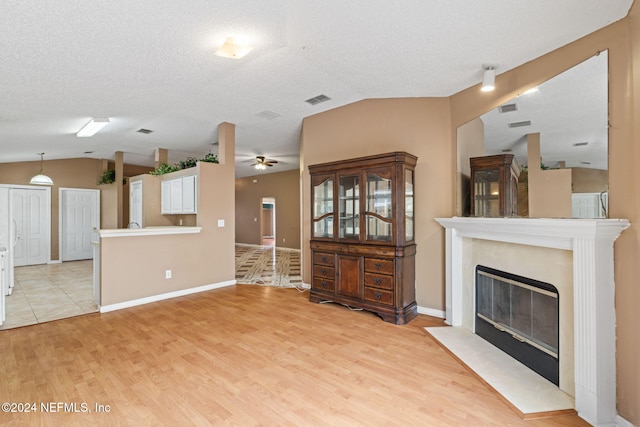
(431, 312)
(160, 297)
(54, 261)
(621, 422)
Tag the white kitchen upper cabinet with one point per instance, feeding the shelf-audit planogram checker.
(179, 195)
(166, 197)
(176, 196)
(189, 188)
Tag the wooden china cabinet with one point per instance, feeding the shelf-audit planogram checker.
(494, 185)
(362, 234)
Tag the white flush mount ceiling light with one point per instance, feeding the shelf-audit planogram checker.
(233, 49)
(41, 178)
(489, 77)
(92, 127)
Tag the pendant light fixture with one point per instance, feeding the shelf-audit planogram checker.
(41, 179)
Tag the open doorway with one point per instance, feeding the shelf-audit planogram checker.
(268, 221)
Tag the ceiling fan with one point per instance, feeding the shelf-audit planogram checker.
(262, 163)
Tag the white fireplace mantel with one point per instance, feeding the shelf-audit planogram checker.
(591, 241)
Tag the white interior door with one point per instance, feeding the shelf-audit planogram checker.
(80, 214)
(135, 203)
(30, 217)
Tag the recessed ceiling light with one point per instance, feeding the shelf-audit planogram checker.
(233, 49)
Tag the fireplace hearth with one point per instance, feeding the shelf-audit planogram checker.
(591, 363)
(520, 316)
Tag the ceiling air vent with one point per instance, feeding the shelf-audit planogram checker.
(507, 108)
(317, 99)
(520, 124)
(145, 131)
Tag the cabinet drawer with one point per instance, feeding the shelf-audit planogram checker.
(372, 250)
(376, 265)
(378, 295)
(323, 284)
(324, 271)
(378, 280)
(323, 258)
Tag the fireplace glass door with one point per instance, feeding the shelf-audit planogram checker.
(520, 316)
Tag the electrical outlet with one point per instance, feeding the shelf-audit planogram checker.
(167, 274)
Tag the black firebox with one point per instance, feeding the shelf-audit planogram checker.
(520, 316)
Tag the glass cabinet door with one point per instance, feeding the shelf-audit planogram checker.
(349, 207)
(486, 186)
(409, 227)
(323, 209)
(379, 208)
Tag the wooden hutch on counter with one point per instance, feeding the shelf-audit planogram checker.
(362, 234)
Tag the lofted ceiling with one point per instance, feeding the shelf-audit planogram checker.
(150, 65)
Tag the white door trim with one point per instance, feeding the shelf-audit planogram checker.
(61, 213)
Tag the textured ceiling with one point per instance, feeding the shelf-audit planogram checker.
(150, 64)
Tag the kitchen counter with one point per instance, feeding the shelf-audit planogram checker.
(148, 231)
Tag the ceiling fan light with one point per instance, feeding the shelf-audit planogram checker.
(92, 127)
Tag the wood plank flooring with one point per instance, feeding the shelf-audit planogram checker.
(244, 355)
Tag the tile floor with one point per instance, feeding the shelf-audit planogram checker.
(268, 266)
(55, 291)
(48, 292)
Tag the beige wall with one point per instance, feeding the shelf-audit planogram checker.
(284, 187)
(420, 126)
(69, 173)
(549, 191)
(428, 127)
(585, 180)
(134, 267)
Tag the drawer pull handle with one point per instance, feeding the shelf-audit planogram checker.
(323, 284)
(378, 265)
(378, 295)
(377, 280)
(324, 271)
(324, 259)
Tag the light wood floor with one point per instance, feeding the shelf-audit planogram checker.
(244, 355)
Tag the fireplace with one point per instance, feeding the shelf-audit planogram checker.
(520, 316)
(589, 294)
